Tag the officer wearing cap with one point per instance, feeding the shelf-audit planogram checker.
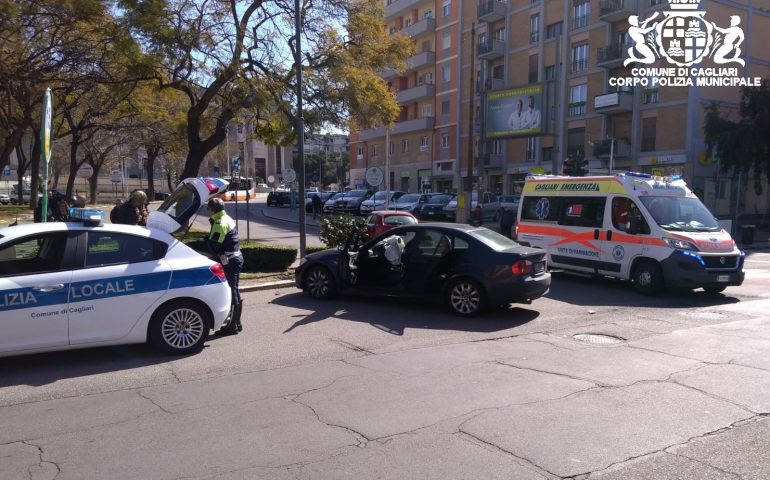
(223, 241)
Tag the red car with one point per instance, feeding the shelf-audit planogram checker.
(382, 221)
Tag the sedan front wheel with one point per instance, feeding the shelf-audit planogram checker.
(466, 297)
(319, 283)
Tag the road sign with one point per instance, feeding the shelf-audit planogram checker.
(270, 179)
(374, 176)
(7, 172)
(289, 175)
(85, 171)
(45, 151)
(235, 165)
(116, 176)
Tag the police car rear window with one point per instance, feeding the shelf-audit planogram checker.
(110, 248)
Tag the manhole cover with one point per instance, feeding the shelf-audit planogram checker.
(596, 338)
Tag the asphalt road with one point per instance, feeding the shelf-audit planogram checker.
(372, 388)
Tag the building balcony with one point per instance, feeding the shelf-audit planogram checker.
(621, 149)
(399, 7)
(491, 49)
(615, 102)
(492, 10)
(492, 160)
(616, 10)
(406, 126)
(426, 25)
(389, 74)
(420, 60)
(413, 94)
(612, 56)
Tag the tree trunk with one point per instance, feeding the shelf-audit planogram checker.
(149, 166)
(9, 145)
(93, 182)
(74, 144)
(168, 180)
(34, 166)
(198, 149)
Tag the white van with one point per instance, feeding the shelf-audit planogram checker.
(651, 230)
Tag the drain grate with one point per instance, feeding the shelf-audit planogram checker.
(597, 339)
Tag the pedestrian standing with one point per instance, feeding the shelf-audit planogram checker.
(115, 209)
(223, 242)
(507, 219)
(134, 210)
(316, 200)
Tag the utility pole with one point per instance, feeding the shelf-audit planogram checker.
(467, 192)
(300, 126)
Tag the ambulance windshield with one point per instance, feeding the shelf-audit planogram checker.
(686, 214)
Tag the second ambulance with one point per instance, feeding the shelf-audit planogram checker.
(651, 230)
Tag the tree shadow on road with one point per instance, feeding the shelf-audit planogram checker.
(394, 316)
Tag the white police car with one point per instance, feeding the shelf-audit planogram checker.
(76, 284)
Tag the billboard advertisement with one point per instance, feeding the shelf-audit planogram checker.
(515, 112)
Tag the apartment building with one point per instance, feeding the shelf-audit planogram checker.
(473, 56)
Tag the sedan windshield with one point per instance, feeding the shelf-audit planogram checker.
(493, 239)
(379, 195)
(356, 193)
(409, 199)
(440, 199)
(686, 214)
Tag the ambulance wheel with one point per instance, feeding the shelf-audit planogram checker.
(715, 290)
(319, 283)
(647, 278)
(466, 297)
(179, 328)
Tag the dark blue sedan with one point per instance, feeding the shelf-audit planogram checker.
(466, 267)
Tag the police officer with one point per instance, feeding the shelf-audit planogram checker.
(223, 241)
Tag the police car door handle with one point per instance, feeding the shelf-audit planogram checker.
(596, 234)
(49, 288)
(609, 235)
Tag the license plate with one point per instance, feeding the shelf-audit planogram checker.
(431, 213)
(723, 278)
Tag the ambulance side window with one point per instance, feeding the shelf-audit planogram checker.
(109, 248)
(39, 254)
(624, 213)
(544, 209)
(582, 211)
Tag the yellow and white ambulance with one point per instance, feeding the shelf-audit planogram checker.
(651, 230)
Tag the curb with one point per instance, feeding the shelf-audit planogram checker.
(267, 286)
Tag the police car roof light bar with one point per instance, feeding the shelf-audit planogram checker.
(88, 216)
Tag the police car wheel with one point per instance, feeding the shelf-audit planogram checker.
(179, 328)
(647, 278)
(466, 297)
(319, 283)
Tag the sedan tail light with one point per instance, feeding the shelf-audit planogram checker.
(218, 270)
(521, 267)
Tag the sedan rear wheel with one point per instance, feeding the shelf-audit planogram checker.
(466, 297)
(179, 328)
(319, 283)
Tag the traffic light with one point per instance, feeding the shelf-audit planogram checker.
(581, 167)
(574, 166)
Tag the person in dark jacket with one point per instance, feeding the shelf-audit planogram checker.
(223, 242)
(317, 204)
(134, 210)
(507, 219)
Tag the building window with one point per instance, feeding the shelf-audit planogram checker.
(533, 61)
(446, 8)
(499, 34)
(427, 110)
(446, 40)
(424, 143)
(648, 133)
(650, 92)
(375, 150)
(579, 58)
(531, 148)
(550, 72)
(580, 13)
(445, 107)
(390, 148)
(497, 147)
(444, 140)
(547, 155)
(360, 151)
(446, 166)
(428, 14)
(534, 28)
(392, 30)
(498, 71)
(405, 145)
(446, 74)
(577, 100)
(553, 30)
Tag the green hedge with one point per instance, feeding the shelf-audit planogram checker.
(262, 257)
